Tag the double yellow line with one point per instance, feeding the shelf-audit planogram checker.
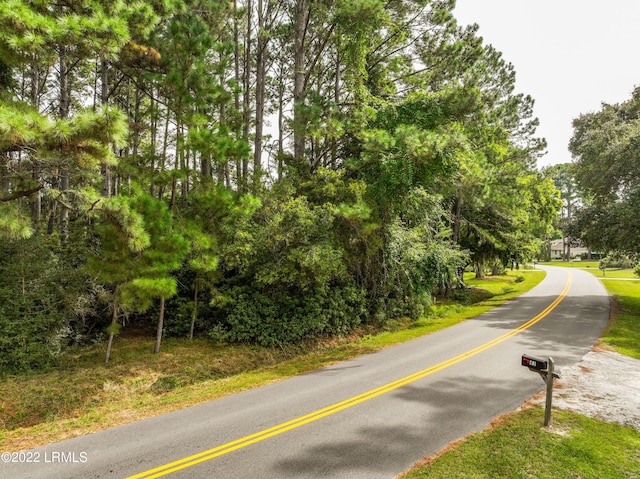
(347, 403)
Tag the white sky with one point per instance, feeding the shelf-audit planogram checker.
(569, 55)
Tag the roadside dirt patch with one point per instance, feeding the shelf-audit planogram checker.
(604, 385)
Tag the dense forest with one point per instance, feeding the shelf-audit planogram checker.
(251, 171)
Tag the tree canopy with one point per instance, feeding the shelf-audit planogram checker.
(259, 171)
(606, 151)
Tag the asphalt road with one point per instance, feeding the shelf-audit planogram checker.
(370, 417)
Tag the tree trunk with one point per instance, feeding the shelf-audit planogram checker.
(336, 99)
(53, 207)
(65, 103)
(154, 109)
(5, 184)
(184, 160)
(457, 212)
(246, 104)
(163, 156)
(236, 94)
(194, 313)
(135, 139)
(280, 123)
(478, 269)
(36, 198)
(260, 84)
(104, 98)
(156, 349)
(114, 321)
(172, 203)
(299, 121)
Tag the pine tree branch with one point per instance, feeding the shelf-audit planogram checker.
(20, 194)
(317, 57)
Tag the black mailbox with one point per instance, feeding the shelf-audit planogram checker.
(535, 364)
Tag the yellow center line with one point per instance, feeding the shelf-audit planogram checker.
(347, 403)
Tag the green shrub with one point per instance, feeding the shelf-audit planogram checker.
(288, 316)
(616, 260)
(31, 316)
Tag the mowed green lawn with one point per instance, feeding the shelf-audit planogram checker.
(517, 446)
(615, 273)
(593, 267)
(573, 264)
(623, 334)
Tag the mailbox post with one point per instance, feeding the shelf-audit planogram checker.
(545, 369)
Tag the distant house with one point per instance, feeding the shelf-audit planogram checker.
(557, 250)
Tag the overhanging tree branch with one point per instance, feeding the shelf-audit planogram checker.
(20, 194)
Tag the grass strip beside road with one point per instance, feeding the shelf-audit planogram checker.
(84, 395)
(517, 447)
(623, 332)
